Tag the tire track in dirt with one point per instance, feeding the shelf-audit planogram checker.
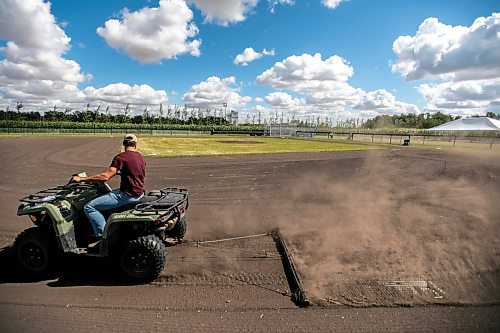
(244, 195)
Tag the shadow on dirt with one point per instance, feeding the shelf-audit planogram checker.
(8, 272)
(72, 271)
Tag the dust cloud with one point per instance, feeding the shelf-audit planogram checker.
(424, 216)
(396, 219)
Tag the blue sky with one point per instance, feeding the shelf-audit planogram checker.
(365, 75)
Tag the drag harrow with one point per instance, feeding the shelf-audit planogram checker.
(299, 296)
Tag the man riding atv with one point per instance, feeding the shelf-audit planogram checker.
(132, 168)
(133, 228)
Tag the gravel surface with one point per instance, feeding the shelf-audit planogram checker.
(396, 240)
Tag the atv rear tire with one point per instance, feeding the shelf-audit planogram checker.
(143, 258)
(35, 251)
(179, 229)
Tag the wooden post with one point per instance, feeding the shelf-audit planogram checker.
(390, 139)
(454, 139)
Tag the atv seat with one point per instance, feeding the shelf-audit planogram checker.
(146, 198)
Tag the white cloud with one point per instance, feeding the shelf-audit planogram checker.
(43, 34)
(383, 102)
(468, 97)
(35, 71)
(34, 64)
(225, 12)
(281, 100)
(120, 93)
(324, 84)
(260, 108)
(450, 52)
(249, 55)
(150, 35)
(335, 96)
(268, 52)
(465, 57)
(306, 73)
(213, 92)
(331, 3)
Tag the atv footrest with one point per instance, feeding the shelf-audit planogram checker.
(85, 251)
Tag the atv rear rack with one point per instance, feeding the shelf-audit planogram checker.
(171, 198)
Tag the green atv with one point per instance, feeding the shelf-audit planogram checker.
(134, 235)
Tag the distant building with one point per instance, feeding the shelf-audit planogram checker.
(469, 124)
(233, 117)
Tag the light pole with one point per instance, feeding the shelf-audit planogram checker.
(225, 109)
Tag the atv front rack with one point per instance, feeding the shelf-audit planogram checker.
(52, 193)
(171, 198)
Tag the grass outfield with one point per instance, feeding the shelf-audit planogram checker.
(174, 146)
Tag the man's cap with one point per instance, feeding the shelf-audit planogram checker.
(130, 138)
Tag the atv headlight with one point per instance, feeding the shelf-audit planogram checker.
(36, 218)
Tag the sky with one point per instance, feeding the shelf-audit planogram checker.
(335, 59)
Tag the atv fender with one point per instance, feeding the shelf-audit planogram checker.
(61, 216)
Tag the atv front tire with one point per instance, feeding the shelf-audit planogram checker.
(143, 258)
(35, 251)
(179, 229)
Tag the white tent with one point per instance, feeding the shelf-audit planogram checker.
(469, 124)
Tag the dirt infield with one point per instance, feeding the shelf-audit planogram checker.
(371, 232)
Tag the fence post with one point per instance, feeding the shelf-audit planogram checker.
(390, 139)
(454, 139)
(423, 140)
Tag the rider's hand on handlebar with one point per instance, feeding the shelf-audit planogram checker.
(76, 179)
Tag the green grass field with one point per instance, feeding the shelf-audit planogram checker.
(174, 146)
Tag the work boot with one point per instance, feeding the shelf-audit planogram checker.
(95, 246)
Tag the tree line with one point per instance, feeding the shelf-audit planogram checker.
(175, 116)
(206, 117)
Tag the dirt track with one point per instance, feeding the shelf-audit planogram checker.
(401, 227)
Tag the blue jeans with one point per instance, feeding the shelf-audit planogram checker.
(113, 199)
